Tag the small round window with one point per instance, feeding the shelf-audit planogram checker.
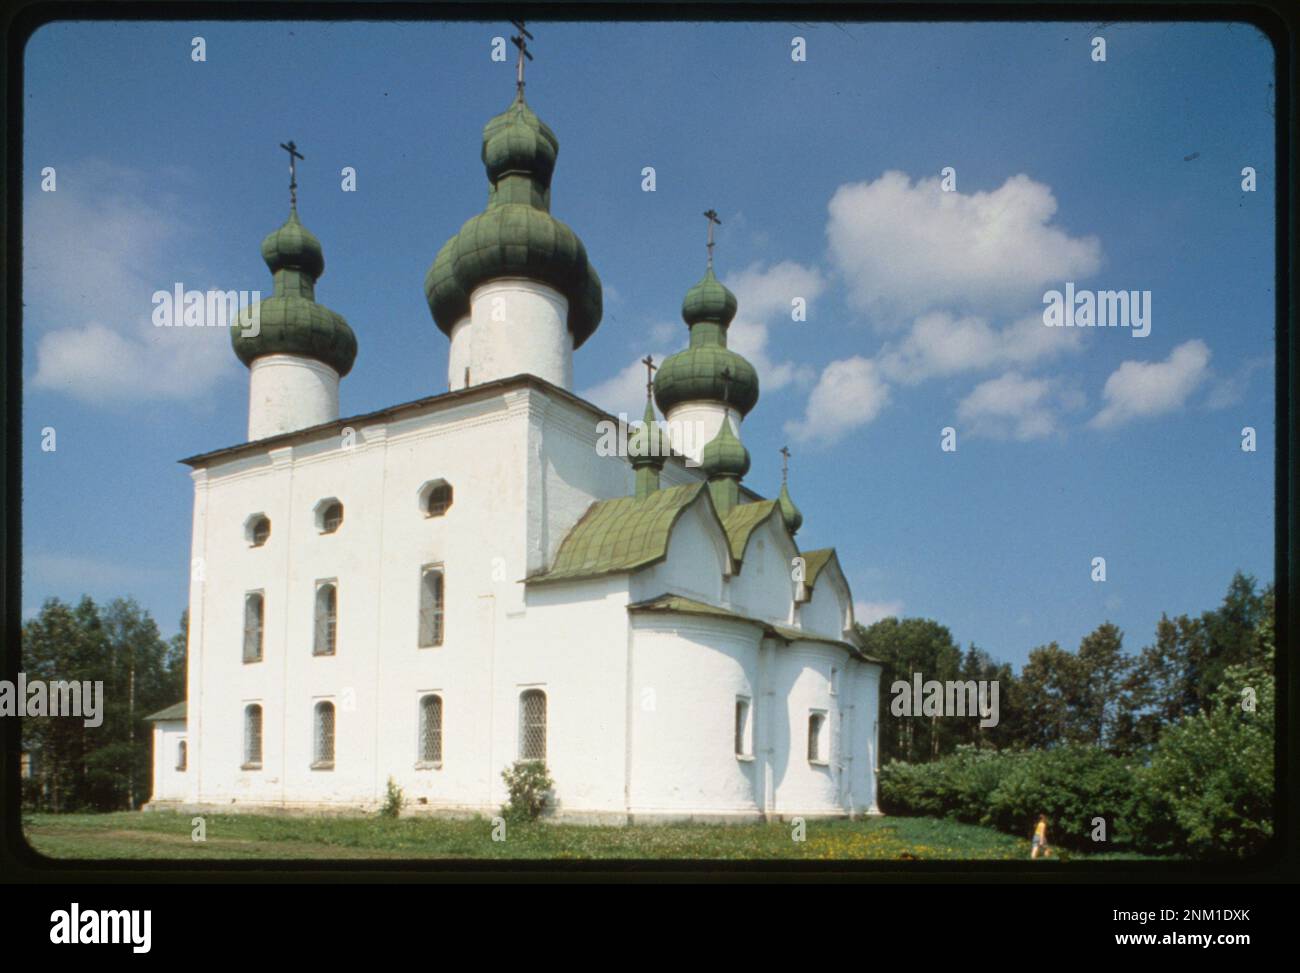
(257, 530)
(435, 498)
(329, 516)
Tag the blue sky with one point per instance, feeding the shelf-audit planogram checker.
(924, 306)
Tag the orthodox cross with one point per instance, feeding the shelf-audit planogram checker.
(520, 41)
(650, 366)
(727, 378)
(712, 216)
(785, 463)
(294, 156)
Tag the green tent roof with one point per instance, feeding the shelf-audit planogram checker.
(176, 711)
(687, 606)
(621, 535)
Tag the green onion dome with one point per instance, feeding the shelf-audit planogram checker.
(709, 300)
(516, 236)
(290, 322)
(789, 512)
(725, 455)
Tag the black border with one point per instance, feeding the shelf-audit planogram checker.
(1277, 19)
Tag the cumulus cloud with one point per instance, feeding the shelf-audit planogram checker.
(940, 344)
(1138, 390)
(905, 248)
(1015, 407)
(849, 393)
(870, 612)
(764, 296)
(624, 391)
(94, 253)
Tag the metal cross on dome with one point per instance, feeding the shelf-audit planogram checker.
(650, 366)
(712, 216)
(785, 463)
(294, 156)
(520, 41)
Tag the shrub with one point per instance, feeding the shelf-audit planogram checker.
(393, 800)
(529, 786)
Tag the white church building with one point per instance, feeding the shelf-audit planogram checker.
(437, 590)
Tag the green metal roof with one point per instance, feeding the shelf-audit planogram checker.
(709, 300)
(176, 711)
(793, 518)
(620, 535)
(813, 562)
(724, 454)
(686, 606)
(742, 520)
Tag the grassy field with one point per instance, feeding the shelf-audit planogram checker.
(162, 835)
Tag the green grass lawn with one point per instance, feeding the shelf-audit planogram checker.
(164, 835)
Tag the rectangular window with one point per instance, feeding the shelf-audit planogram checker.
(254, 609)
(742, 727)
(252, 737)
(431, 606)
(327, 611)
(323, 743)
(431, 729)
(532, 725)
(817, 748)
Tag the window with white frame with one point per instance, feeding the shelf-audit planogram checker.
(327, 618)
(532, 725)
(818, 749)
(431, 606)
(329, 516)
(254, 614)
(257, 530)
(744, 738)
(431, 729)
(323, 736)
(252, 736)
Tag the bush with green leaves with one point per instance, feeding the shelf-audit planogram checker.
(529, 786)
(393, 800)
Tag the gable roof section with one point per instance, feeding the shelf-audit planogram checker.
(176, 711)
(620, 535)
(742, 520)
(814, 561)
(676, 604)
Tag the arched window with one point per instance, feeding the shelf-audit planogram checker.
(431, 729)
(431, 607)
(329, 516)
(327, 617)
(435, 498)
(252, 737)
(532, 725)
(257, 530)
(181, 755)
(817, 738)
(323, 742)
(254, 607)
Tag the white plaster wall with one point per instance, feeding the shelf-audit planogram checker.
(287, 392)
(520, 326)
(828, 611)
(460, 354)
(686, 675)
(763, 588)
(801, 678)
(693, 425)
(169, 784)
(695, 562)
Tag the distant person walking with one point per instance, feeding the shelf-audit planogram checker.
(1040, 838)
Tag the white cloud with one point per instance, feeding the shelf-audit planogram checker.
(95, 252)
(1142, 389)
(764, 296)
(624, 391)
(903, 249)
(941, 344)
(850, 393)
(870, 612)
(1230, 390)
(1010, 407)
